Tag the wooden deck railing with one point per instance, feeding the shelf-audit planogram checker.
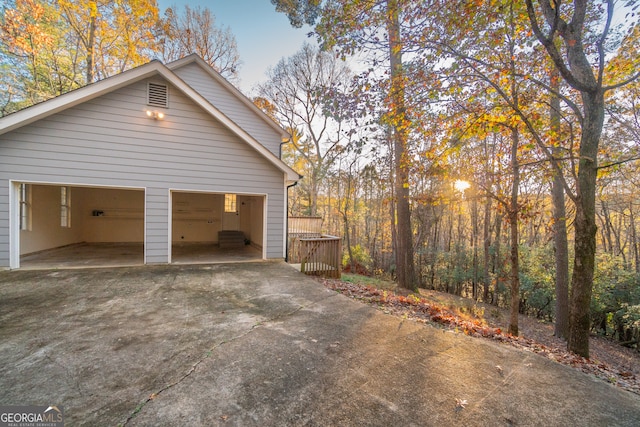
(305, 224)
(317, 255)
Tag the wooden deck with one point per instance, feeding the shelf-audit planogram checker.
(317, 255)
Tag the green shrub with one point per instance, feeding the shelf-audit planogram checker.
(615, 292)
(360, 256)
(537, 281)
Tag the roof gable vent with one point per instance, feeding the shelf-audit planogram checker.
(158, 95)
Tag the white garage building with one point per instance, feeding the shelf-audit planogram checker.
(158, 156)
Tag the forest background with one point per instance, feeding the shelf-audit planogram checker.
(486, 148)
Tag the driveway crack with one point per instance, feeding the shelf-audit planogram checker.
(208, 354)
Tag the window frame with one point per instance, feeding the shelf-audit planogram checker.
(26, 213)
(230, 203)
(65, 207)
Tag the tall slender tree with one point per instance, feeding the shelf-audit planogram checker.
(194, 30)
(50, 47)
(114, 35)
(357, 26)
(561, 325)
(565, 30)
(400, 125)
(305, 89)
(38, 57)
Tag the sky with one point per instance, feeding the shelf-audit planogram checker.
(263, 35)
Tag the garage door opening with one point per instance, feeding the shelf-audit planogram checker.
(66, 226)
(214, 227)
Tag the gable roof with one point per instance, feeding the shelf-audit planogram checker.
(154, 68)
(194, 58)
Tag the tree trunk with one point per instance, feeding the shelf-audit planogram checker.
(487, 249)
(579, 73)
(585, 224)
(634, 237)
(513, 227)
(497, 262)
(392, 208)
(606, 221)
(345, 219)
(404, 246)
(313, 192)
(91, 47)
(513, 204)
(457, 261)
(434, 249)
(474, 243)
(561, 327)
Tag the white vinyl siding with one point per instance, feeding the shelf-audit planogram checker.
(230, 106)
(157, 226)
(110, 141)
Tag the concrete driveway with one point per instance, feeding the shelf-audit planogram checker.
(259, 344)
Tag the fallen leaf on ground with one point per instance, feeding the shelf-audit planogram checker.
(422, 310)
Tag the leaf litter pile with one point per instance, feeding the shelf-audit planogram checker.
(425, 311)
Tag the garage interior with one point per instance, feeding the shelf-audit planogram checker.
(214, 227)
(65, 227)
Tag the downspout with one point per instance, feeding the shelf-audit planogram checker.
(286, 243)
(282, 142)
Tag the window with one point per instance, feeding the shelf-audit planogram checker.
(25, 207)
(230, 203)
(65, 207)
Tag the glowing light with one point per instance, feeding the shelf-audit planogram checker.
(461, 185)
(155, 115)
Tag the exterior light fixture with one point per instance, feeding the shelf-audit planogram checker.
(155, 115)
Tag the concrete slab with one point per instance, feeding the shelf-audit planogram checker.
(131, 254)
(260, 344)
(86, 255)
